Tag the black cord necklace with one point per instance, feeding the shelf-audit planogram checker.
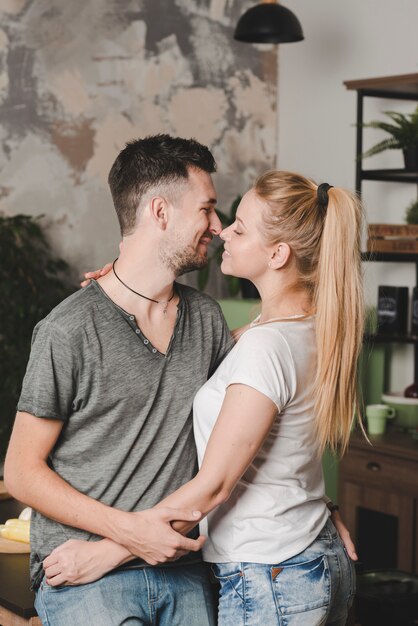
(165, 302)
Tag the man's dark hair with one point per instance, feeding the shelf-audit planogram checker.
(154, 161)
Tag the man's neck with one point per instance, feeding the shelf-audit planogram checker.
(144, 275)
(140, 285)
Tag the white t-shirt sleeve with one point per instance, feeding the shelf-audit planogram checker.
(262, 360)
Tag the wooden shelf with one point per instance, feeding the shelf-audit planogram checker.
(390, 257)
(393, 442)
(380, 338)
(401, 87)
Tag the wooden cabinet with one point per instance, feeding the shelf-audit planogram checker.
(378, 495)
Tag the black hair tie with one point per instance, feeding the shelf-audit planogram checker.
(322, 193)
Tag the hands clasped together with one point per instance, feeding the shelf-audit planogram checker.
(147, 534)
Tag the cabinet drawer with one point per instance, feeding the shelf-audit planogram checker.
(372, 468)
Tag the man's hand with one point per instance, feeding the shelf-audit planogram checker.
(345, 535)
(149, 534)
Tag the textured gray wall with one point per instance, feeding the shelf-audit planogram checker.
(79, 78)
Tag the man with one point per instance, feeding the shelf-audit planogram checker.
(103, 430)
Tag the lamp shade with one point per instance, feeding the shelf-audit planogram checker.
(268, 23)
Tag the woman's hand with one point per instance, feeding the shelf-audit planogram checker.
(77, 562)
(96, 274)
(345, 535)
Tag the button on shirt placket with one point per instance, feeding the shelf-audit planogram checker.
(144, 340)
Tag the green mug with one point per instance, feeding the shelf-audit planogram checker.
(377, 414)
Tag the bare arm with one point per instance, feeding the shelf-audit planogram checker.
(245, 420)
(233, 444)
(28, 478)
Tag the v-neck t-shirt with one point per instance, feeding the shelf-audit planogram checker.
(127, 438)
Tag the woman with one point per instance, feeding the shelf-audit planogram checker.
(284, 392)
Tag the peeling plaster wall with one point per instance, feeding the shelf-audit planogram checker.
(78, 79)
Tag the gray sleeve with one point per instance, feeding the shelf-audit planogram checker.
(223, 341)
(49, 384)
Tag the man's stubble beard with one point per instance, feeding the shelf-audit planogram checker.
(183, 261)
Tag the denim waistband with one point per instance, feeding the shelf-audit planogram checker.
(328, 531)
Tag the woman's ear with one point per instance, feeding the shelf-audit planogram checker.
(279, 256)
(158, 208)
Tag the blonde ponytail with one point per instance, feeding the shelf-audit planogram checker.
(325, 242)
(338, 301)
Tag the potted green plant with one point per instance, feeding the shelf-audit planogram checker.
(403, 131)
(235, 285)
(32, 282)
(411, 213)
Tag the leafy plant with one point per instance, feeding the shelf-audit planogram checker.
(403, 132)
(411, 214)
(32, 282)
(234, 284)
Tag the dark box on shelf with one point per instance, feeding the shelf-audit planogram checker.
(414, 312)
(392, 310)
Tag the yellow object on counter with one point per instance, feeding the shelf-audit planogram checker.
(16, 530)
(17, 522)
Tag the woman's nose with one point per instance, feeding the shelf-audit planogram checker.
(224, 233)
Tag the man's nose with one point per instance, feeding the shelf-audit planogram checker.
(215, 224)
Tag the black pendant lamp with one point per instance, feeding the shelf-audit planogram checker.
(268, 22)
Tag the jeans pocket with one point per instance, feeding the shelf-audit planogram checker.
(231, 579)
(45, 588)
(301, 587)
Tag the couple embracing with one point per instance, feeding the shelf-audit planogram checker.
(104, 443)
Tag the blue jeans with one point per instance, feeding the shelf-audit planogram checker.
(170, 596)
(314, 588)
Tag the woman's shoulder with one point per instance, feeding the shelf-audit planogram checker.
(266, 339)
(283, 330)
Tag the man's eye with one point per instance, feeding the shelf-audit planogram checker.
(237, 232)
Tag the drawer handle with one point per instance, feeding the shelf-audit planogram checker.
(373, 467)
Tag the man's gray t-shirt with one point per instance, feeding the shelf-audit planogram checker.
(127, 438)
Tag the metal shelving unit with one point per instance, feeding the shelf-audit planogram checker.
(390, 176)
(403, 87)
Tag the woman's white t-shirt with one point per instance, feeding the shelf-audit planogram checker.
(277, 508)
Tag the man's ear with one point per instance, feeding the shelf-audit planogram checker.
(280, 255)
(158, 208)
